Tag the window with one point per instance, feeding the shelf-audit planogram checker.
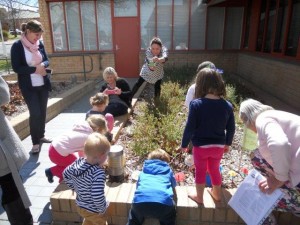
(73, 26)
(148, 18)
(58, 26)
(104, 25)
(198, 25)
(125, 8)
(270, 24)
(164, 21)
(234, 22)
(247, 28)
(215, 27)
(88, 25)
(294, 32)
(181, 25)
(281, 25)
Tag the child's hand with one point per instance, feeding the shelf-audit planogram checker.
(184, 150)
(226, 149)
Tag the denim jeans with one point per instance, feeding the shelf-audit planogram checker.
(36, 100)
(139, 211)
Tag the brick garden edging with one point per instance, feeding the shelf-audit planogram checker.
(55, 106)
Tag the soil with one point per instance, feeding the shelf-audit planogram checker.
(17, 104)
(233, 163)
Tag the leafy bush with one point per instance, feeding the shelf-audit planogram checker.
(160, 124)
(184, 75)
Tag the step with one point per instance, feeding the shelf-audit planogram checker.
(55, 106)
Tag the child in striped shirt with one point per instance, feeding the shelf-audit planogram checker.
(86, 177)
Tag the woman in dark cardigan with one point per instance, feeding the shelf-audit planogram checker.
(29, 60)
(118, 91)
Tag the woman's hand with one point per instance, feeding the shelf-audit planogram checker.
(118, 91)
(270, 184)
(40, 69)
(155, 59)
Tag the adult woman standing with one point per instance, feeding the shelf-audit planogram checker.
(29, 60)
(15, 200)
(153, 68)
(118, 91)
(278, 153)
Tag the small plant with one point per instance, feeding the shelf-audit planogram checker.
(160, 125)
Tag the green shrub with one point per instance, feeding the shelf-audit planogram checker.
(184, 75)
(231, 95)
(160, 125)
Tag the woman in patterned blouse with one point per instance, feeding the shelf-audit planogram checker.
(153, 68)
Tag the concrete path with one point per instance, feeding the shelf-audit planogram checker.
(33, 172)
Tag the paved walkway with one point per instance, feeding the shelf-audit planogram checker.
(33, 172)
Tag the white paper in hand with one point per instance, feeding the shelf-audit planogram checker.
(252, 205)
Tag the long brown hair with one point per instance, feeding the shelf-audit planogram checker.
(33, 25)
(208, 81)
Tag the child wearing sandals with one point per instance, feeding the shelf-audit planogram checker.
(210, 126)
(99, 102)
(86, 176)
(63, 149)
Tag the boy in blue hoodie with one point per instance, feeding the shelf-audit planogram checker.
(155, 193)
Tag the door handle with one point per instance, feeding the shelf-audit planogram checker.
(117, 47)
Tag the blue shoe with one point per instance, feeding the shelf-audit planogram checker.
(49, 175)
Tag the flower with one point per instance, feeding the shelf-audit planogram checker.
(244, 170)
(232, 173)
(179, 177)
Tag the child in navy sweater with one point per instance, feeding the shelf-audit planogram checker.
(210, 127)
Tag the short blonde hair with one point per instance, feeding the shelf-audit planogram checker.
(96, 144)
(159, 154)
(98, 123)
(109, 71)
(99, 99)
(250, 109)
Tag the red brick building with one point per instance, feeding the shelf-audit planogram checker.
(255, 39)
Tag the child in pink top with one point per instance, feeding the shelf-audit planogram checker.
(62, 149)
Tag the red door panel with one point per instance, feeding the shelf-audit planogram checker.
(126, 33)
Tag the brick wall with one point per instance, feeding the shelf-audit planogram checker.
(280, 78)
(223, 60)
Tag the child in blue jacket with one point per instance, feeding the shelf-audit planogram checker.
(155, 193)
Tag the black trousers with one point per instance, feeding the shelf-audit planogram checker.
(140, 81)
(36, 100)
(139, 211)
(12, 203)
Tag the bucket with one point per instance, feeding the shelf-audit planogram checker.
(207, 178)
(116, 163)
